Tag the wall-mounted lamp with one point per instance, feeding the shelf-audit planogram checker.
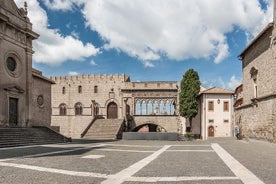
(218, 101)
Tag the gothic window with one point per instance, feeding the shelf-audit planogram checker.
(78, 108)
(80, 89)
(63, 90)
(95, 89)
(62, 109)
(211, 105)
(225, 106)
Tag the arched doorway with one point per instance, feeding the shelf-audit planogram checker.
(211, 131)
(112, 111)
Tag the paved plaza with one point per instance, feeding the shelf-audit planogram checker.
(226, 161)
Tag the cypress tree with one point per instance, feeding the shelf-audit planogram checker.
(188, 97)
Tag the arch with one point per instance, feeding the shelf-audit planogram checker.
(152, 127)
(62, 109)
(78, 108)
(211, 131)
(112, 110)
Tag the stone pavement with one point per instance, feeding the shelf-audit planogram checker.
(226, 161)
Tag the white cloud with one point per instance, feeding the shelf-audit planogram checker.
(230, 84)
(71, 73)
(234, 82)
(93, 63)
(176, 29)
(148, 64)
(52, 47)
(59, 4)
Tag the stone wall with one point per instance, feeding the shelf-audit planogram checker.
(256, 116)
(258, 121)
(169, 123)
(41, 102)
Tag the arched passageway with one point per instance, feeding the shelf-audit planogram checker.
(149, 127)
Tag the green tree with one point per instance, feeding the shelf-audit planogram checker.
(188, 101)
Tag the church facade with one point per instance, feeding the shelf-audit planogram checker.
(255, 99)
(25, 94)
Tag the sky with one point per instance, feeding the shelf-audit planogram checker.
(149, 40)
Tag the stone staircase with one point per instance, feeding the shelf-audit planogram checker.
(10, 137)
(105, 129)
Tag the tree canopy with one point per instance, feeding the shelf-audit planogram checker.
(189, 91)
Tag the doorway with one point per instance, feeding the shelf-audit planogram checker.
(13, 112)
(112, 111)
(211, 131)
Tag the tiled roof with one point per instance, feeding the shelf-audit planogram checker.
(216, 90)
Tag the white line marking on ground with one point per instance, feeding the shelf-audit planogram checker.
(180, 178)
(51, 170)
(52, 153)
(121, 176)
(236, 167)
(93, 156)
(192, 145)
(138, 146)
(190, 150)
(135, 151)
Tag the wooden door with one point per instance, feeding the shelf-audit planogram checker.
(211, 131)
(13, 112)
(112, 111)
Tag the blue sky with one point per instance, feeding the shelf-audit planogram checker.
(154, 40)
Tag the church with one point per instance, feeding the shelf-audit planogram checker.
(25, 94)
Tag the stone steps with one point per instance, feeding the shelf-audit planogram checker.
(104, 129)
(29, 136)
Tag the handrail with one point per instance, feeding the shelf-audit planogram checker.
(90, 124)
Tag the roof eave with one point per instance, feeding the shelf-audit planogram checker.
(255, 39)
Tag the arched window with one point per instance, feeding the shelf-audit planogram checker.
(62, 109)
(78, 108)
(80, 89)
(63, 90)
(95, 89)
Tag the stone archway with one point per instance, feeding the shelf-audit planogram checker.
(112, 110)
(211, 131)
(149, 127)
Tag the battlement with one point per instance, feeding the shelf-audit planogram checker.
(97, 77)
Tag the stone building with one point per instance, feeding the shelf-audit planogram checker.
(25, 96)
(93, 103)
(255, 106)
(78, 100)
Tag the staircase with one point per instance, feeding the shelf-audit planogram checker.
(10, 137)
(104, 129)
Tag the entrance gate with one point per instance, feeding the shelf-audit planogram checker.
(112, 111)
(13, 111)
